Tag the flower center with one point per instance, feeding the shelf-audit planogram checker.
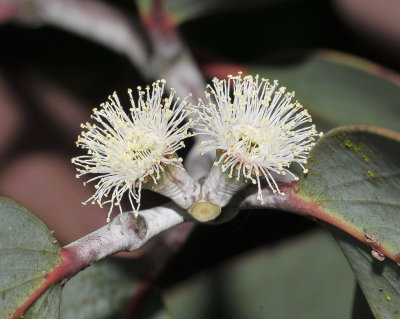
(138, 145)
(255, 140)
(135, 155)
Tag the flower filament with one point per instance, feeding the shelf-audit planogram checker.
(128, 151)
(257, 128)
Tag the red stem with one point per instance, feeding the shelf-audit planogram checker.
(70, 265)
(125, 232)
(158, 20)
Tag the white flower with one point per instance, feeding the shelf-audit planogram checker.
(257, 129)
(125, 152)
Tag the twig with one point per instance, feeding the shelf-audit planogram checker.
(93, 20)
(126, 233)
(178, 186)
(271, 200)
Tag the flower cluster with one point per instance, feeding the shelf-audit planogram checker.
(126, 152)
(257, 128)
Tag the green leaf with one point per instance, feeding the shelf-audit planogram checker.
(353, 172)
(379, 280)
(47, 305)
(28, 251)
(354, 183)
(183, 10)
(153, 307)
(105, 290)
(337, 88)
(305, 277)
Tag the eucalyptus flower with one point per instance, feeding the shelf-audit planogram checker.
(257, 129)
(127, 152)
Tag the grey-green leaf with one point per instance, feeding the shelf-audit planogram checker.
(338, 88)
(47, 306)
(305, 277)
(379, 280)
(353, 181)
(105, 290)
(28, 251)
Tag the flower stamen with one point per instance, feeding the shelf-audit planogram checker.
(257, 128)
(127, 152)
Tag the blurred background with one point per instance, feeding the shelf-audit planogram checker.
(59, 59)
